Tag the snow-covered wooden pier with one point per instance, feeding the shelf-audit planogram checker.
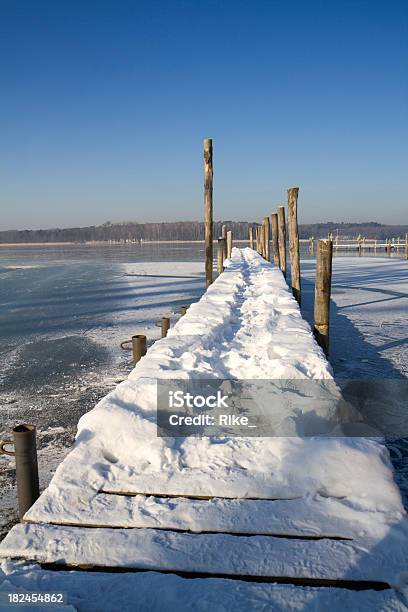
(261, 523)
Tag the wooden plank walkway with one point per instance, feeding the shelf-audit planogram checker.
(246, 517)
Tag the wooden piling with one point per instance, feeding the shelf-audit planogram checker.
(229, 243)
(275, 243)
(224, 235)
(267, 232)
(208, 209)
(25, 453)
(282, 239)
(258, 245)
(183, 310)
(322, 293)
(251, 236)
(293, 228)
(220, 255)
(165, 325)
(406, 246)
(139, 347)
(262, 239)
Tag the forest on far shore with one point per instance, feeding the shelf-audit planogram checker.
(191, 230)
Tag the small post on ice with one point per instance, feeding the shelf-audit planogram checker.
(282, 239)
(267, 253)
(294, 241)
(183, 310)
(138, 347)
(25, 453)
(322, 293)
(220, 255)
(208, 209)
(406, 246)
(164, 323)
(229, 243)
(275, 243)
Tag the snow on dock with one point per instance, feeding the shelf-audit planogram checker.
(320, 510)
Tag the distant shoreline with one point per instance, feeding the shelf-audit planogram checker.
(113, 244)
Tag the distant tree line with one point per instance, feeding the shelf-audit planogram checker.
(190, 230)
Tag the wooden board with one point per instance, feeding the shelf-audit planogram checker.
(205, 554)
(159, 592)
(317, 517)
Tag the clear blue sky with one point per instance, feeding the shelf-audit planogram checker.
(104, 106)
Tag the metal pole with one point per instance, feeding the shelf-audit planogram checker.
(25, 453)
(139, 347)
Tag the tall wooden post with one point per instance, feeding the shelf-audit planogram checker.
(275, 243)
(258, 246)
(262, 239)
(282, 239)
(406, 246)
(322, 293)
(251, 236)
(229, 244)
(224, 235)
(220, 255)
(266, 238)
(293, 228)
(208, 209)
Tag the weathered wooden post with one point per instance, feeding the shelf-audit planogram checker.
(138, 347)
(251, 236)
(258, 245)
(208, 209)
(293, 228)
(267, 232)
(220, 255)
(164, 323)
(224, 235)
(262, 239)
(183, 310)
(406, 246)
(275, 243)
(322, 293)
(25, 453)
(282, 239)
(229, 243)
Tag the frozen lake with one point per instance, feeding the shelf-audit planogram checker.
(64, 312)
